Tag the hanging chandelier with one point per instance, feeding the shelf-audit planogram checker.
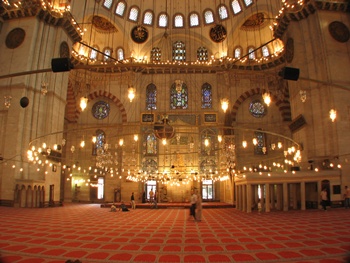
(163, 130)
(267, 98)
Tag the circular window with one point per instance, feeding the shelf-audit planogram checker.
(100, 110)
(257, 109)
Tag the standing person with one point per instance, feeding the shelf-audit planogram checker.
(151, 195)
(199, 209)
(347, 197)
(143, 197)
(193, 204)
(324, 199)
(132, 201)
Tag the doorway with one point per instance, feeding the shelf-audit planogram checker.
(207, 190)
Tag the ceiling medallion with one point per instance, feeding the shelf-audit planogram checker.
(15, 38)
(339, 31)
(218, 33)
(139, 34)
(102, 25)
(254, 22)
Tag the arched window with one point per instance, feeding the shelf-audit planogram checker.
(208, 17)
(93, 52)
(148, 18)
(238, 52)
(83, 49)
(151, 97)
(251, 53)
(134, 13)
(120, 9)
(194, 20)
(179, 20)
(98, 147)
(260, 148)
(179, 51)
(265, 51)
(156, 54)
(202, 54)
(108, 4)
(223, 13)
(151, 144)
(120, 54)
(206, 96)
(108, 53)
(248, 2)
(163, 20)
(236, 7)
(178, 96)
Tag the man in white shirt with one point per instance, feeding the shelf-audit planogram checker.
(193, 204)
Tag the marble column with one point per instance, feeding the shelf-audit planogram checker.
(285, 197)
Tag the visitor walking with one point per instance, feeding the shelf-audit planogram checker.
(324, 199)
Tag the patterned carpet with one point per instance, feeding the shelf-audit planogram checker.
(93, 234)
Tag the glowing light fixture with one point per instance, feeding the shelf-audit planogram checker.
(131, 93)
(333, 114)
(224, 104)
(267, 98)
(219, 138)
(244, 144)
(83, 103)
(136, 137)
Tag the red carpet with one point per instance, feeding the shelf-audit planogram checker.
(95, 235)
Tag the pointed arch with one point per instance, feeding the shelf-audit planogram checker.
(283, 105)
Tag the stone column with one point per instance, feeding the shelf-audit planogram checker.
(302, 195)
(267, 201)
(272, 197)
(294, 193)
(244, 198)
(279, 198)
(249, 198)
(285, 197)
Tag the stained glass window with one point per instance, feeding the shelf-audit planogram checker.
(156, 54)
(194, 19)
(108, 3)
(134, 14)
(151, 144)
(107, 55)
(209, 17)
(179, 21)
(178, 96)
(120, 54)
(202, 54)
(151, 97)
(248, 2)
(260, 146)
(236, 7)
(93, 53)
(100, 110)
(148, 18)
(206, 96)
(257, 109)
(251, 53)
(223, 14)
(179, 51)
(120, 9)
(100, 142)
(265, 51)
(238, 52)
(163, 20)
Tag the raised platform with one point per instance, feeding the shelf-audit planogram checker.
(172, 205)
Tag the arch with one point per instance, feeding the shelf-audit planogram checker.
(73, 112)
(283, 106)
